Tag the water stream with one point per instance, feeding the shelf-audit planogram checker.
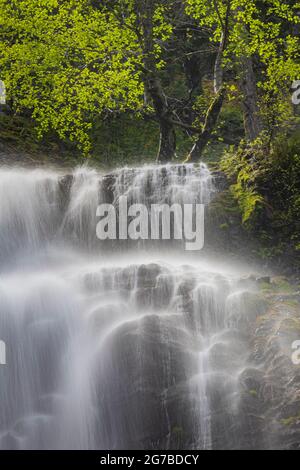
(108, 349)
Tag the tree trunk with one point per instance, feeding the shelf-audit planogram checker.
(218, 70)
(211, 120)
(214, 110)
(167, 146)
(252, 120)
(167, 142)
(224, 23)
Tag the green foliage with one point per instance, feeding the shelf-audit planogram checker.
(248, 199)
(291, 421)
(266, 184)
(257, 28)
(127, 139)
(70, 64)
(18, 136)
(16, 131)
(123, 140)
(266, 32)
(241, 167)
(230, 126)
(60, 60)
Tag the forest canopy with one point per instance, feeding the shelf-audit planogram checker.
(180, 64)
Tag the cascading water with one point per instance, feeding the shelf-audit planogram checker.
(107, 351)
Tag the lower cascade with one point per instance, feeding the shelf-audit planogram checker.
(129, 350)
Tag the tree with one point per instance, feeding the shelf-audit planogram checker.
(262, 53)
(69, 62)
(223, 17)
(59, 60)
(151, 29)
(158, 25)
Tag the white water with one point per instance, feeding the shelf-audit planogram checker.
(112, 350)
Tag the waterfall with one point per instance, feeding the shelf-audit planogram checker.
(108, 349)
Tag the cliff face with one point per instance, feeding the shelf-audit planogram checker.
(143, 350)
(243, 393)
(268, 410)
(277, 385)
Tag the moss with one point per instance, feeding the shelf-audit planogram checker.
(286, 288)
(266, 287)
(18, 134)
(283, 285)
(278, 285)
(224, 205)
(272, 314)
(177, 430)
(292, 303)
(17, 131)
(264, 181)
(290, 421)
(291, 324)
(177, 435)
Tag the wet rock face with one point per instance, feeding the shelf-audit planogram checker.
(195, 364)
(80, 192)
(64, 187)
(141, 396)
(73, 198)
(278, 386)
(199, 365)
(136, 355)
